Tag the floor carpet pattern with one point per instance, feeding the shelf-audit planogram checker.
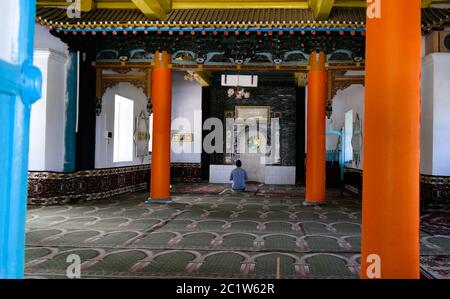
(232, 235)
(435, 227)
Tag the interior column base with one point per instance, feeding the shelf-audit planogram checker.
(312, 204)
(160, 201)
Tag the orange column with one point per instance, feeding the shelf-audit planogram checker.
(390, 219)
(316, 134)
(161, 103)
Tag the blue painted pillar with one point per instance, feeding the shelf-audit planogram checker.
(70, 141)
(20, 86)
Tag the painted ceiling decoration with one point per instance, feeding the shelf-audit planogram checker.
(243, 33)
(339, 18)
(435, 19)
(203, 19)
(209, 48)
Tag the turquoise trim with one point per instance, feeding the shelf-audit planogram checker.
(20, 86)
(70, 135)
(338, 155)
(333, 155)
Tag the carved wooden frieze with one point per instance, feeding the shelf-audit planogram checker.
(111, 83)
(342, 82)
(142, 80)
(338, 81)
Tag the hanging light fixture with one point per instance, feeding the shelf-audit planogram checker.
(238, 93)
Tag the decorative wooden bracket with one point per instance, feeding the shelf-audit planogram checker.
(340, 82)
(105, 81)
(202, 78)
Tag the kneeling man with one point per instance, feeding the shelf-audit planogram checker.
(239, 177)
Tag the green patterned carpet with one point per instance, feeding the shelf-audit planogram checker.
(203, 235)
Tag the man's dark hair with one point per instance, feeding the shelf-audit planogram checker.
(238, 163)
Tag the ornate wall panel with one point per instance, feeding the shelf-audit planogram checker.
(353, 181)
(435, 191)
(282, 103)
(50, 188)
(186, 172)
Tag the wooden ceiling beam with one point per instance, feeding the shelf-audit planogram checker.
(94, 5)
(321, 8)
(87, 5)
(158, 8)
(350, 3)
(166, 4)
(151, 8)
(251, 4)
(82, 5)
(116, 5)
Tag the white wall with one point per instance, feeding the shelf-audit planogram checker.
(435, 134)
(426, 129)
(186, 99)
(273, 175)
(352, 98)
(47, 123)
(38, 123)
(44, 40)
(105, 122)
(435, 120)
(186, 105)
